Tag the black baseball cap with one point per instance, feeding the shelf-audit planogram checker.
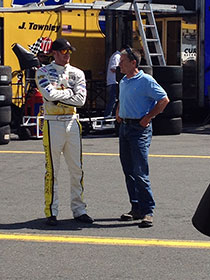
(61, 44)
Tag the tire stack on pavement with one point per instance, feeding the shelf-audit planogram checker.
(169, 122)
(5, 103)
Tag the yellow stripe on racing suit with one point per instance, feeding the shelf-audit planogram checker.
(63, 89)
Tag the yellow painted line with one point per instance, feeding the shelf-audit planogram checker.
(110, 154)
(158, 156)
(21, 152)
(180, 156)
(100, 154)
(106, 241)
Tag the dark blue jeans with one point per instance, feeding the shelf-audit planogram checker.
(112, 97)
(134, 150)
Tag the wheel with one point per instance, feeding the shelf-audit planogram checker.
(174, 91)
(168, 74)
(5, 95)
(5, 75)
(23, 133)
(173, 109)
(4, 134)
(163, 126)
(147, 69)
(200, 219)
(5, 115)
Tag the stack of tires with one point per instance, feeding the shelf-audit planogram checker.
(169, 122)
(5, 103)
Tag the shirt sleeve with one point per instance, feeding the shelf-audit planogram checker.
(79, 95)
(72, 96)
(115, 61)
(48, 90)
(155, 90)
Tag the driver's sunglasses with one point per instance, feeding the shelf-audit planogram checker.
(65, 51)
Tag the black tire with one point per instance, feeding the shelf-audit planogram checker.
(163, 126)
(5, 115)
(5, 95)
(200, 219)
(168, 74)
(5, 75)
(173, 109)
(4, 134)
(147, 69)
(174, 91)
(24, 133)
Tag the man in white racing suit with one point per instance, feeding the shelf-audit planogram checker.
(63, 88)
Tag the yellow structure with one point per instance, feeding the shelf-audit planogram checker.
(80, 27)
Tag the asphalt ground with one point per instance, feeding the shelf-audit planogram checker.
(109, 249)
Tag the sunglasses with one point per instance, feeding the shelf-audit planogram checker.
(65, 51)
(131, 55)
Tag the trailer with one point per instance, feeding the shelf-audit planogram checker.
(98, 28)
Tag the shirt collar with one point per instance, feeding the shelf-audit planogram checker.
(139, 74)
(60, 67)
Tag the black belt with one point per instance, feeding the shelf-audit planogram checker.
(131, 121)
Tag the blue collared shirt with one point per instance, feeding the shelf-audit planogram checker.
(138, 95)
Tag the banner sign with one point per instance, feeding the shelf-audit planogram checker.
(47, 3)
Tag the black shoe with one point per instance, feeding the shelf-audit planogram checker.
(146, 222)
(52, 221)
(130, 216)
(84, 219)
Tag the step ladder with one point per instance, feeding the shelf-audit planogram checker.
(154, 41)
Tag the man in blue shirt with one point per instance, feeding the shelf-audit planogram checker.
(141, 98)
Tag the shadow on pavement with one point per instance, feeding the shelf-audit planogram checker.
(67, 224)
(196, 129)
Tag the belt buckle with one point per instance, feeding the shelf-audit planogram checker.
(64, 118)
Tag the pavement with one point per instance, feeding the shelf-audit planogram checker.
(108, 249)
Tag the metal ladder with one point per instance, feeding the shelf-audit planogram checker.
(150, 24)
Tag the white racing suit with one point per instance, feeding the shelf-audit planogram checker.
(63, 89)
